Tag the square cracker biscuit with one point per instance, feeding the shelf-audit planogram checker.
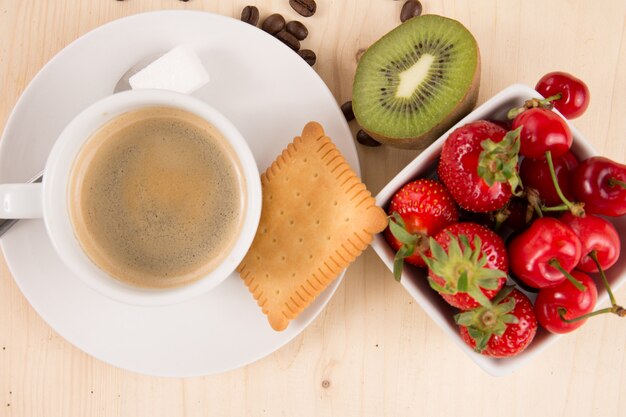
(317, 217)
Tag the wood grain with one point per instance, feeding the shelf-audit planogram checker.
(372, 352)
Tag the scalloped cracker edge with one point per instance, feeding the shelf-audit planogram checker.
(317, 217)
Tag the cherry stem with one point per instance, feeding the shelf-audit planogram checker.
(555, 182)
(561, 207)
(575, 209)
(594, 256)
(515, 111)
(619, 311)
(615, 309)
(615, 182)
(545, 103)
(549, 100)
(555, 264)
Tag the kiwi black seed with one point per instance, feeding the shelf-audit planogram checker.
(417, 81)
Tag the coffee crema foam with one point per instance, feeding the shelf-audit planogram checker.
(157, 197)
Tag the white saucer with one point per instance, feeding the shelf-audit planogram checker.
(265, 89)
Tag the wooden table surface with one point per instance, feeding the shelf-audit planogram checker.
(372, 351)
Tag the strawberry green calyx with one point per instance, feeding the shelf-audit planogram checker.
(463, 269)
(486, 321)
(410, 243)
(498, 161)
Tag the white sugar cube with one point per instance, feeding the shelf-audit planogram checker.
(178, 70)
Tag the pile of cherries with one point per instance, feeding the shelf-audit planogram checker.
(551, 254)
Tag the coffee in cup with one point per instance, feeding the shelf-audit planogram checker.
(156, 197)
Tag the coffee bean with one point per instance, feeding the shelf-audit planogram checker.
(308, 56)
(297, 29)
(366, 140)
(305, 7)
(273, 24)
(250, 14)
(288, 39)
(348, 113)
(411, 8)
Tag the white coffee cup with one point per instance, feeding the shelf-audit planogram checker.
(50, 200)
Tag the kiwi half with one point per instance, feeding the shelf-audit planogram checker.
(417, 81)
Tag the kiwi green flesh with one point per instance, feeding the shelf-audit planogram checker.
(416, 81)
(423, 141)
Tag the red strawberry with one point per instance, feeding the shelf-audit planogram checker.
(419, 209)
(478, 165)
(503, 329)
(467, 265)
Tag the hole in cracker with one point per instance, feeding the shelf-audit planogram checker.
(347, 219)
(277, 292)
(300, 240)
(305, 159)
(310, 256)
(316, 175)
(293, 274)
(282, 258)
(274, 240)
(267, 275)
(308, 204)
(282, 212)
(297, 193)
(317, 221)
(258, 258)
(291, 222)
(327, 237)
(335, 203)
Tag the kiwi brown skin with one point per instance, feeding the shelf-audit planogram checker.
(463, 107)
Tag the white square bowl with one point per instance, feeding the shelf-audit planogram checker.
(414, 279)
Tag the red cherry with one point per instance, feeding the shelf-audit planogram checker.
(595, 234)
(535, 173)
(542, 130)
(565, 296)
(574, 93)
(543, 252)
(600, 183)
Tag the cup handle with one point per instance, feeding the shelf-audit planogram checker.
(21, 201)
